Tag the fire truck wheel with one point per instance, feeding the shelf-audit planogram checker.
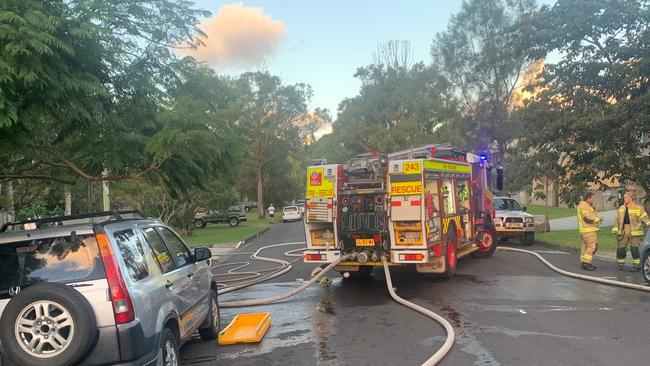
(488, 245)
(451, 258)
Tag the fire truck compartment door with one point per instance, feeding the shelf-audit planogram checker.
(406, 208)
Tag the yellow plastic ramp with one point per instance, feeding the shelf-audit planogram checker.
(246, 328)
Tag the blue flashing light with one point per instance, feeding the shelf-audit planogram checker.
(483, 157)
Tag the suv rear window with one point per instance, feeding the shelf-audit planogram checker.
(58, 259)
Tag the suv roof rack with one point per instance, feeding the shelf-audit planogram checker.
(115, 215)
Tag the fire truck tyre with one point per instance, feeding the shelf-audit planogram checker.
(47, 324)
(233, 221)
(488, 246)
(451, 257)
(199, 223)
(528, 239)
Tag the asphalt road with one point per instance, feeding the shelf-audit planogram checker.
(506, 310)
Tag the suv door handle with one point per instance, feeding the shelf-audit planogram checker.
(169, 285)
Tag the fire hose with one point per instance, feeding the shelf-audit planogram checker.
(285, 266)
(578, 275)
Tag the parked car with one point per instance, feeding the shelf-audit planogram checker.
(233, 216)
(250, 206)
(301, 207)
(291, 213)
(645, 257)
(116, 291)
(512, 220)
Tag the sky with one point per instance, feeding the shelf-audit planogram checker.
(319, 43)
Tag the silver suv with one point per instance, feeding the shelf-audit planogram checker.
(512, 221)
(101, 289)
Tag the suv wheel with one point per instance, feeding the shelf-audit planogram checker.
(47, 324)
(233, 221)
(528, 239)
(168, 354)
(199, 223)
(211, 332)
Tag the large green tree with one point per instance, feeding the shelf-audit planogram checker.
(82, 82)
(591, 120)
(482, 57)
(272, 117)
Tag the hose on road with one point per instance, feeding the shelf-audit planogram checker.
(254, 277)
(449, 342)
(578, 275)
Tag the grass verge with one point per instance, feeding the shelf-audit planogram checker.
(223, 234)
(571, 238)
(553, 212)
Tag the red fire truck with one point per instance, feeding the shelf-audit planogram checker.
(427, 207)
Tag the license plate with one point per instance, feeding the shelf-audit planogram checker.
(365, 242)
(515, 225)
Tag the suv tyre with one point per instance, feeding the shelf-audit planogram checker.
(168, 354)
(211, 332)
(199, 223)
(233, 221)
(645, 266)
(48, 324)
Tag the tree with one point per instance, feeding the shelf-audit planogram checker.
(480, 55)
(271, 116)
(81, 82)
(396, 108)
(591, 122)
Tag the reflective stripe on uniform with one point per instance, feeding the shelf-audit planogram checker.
(584, 230)
(636, 233)
(586, 258)
(636, 262)
(614, 230)
(620, 260)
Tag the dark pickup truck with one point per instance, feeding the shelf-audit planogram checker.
(233, 216)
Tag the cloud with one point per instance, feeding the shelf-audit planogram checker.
(239, 37)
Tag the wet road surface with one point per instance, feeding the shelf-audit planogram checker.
(506, 310)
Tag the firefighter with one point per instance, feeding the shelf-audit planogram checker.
(628, 230)
(588, 222)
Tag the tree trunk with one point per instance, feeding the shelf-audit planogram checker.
(260, 194)
(8, 194)
(68, 200)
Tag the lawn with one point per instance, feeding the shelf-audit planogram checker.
(571, 238)
(553, 212)
(223, 234)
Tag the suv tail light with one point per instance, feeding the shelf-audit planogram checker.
(122, 305)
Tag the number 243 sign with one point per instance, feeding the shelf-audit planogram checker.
(412, 167)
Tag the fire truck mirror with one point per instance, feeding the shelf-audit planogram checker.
(499, 179)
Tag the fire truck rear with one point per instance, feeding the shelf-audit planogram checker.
(440, 208)
(360, 228)
(425, 207)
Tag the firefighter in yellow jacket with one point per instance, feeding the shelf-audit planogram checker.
(628, 230)
(588, 222)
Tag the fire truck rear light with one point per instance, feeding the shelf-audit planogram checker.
(396, 203)
(329, 205)
(377, 239)
(415, 203)
(411, 257)
(314, 257)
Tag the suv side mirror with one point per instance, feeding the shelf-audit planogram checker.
(202, 254)
(524, 208)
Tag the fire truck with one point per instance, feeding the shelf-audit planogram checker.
(426, 207)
